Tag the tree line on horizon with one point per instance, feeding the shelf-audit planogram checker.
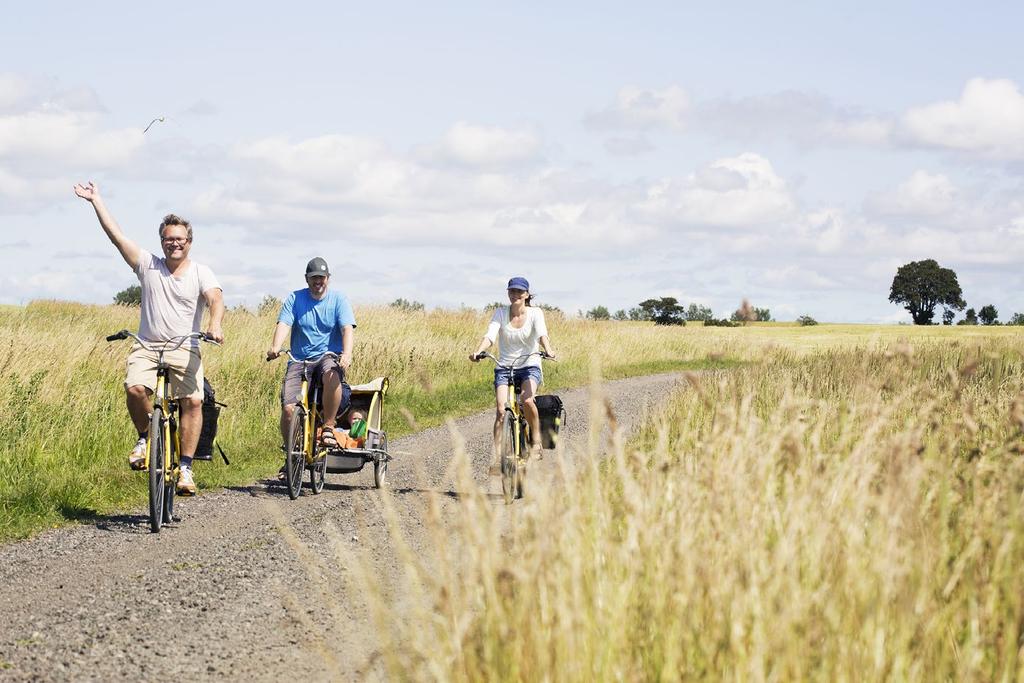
(920, 286)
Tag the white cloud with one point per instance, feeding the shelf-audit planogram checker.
(740, 192)
(14, 91)
(75, 139)
(628, 147)
(793, 276)
(488, 146)
(49, 136)
(805, 118)
(988, 119)
(922, 194)
(636, 108)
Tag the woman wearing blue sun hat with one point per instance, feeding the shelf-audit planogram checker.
(519, 329)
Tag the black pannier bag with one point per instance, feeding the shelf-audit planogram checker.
(208, 435)
(552, 417)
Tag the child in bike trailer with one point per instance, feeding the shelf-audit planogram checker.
(316, 320)
(175, 291)
(518, 330)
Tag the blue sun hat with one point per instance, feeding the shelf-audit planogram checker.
(519, 283)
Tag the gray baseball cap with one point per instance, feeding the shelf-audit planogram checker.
(317, 266)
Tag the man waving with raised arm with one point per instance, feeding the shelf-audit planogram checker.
(175, 292)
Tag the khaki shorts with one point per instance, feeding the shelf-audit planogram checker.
(186, 371)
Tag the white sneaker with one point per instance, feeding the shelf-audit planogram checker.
(186, 485)
(137, 458)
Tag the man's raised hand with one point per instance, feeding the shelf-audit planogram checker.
(88, 192)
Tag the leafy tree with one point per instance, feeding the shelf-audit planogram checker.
(970, 318)
(269, 305)
(806, 320)
(696, 312)
(664, 311)
(947, 316)
(920, 286)
(407, 306)
(1017, 319)
(620, 315)
(130, 296)
(637, 313)
(988, 315)
(762, 315)
(598, 313)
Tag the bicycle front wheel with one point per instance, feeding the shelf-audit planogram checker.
(295, 462)
(509, 464)
(157, 473)
(171, 482)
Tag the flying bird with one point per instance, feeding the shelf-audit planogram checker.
(159, 118)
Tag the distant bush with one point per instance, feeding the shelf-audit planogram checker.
(407, 306)
(663, 311)
(269, 305)
(806, 320)
(696, 312)
(721, 322)
(970, 318)
(130, 296)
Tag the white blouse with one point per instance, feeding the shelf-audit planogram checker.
(513, 342)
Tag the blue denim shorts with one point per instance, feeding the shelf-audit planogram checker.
(519, 374)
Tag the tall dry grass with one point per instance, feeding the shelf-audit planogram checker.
(850, 515)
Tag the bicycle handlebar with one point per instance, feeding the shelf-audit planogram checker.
(287, 352)
(167, 345)
(542, 354)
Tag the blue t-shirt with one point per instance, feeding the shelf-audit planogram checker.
(316, 325)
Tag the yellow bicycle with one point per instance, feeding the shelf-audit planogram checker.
(163, 444)
(302, 449)
(514, 442)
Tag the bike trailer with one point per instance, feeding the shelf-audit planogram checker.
(552, 417)
(367, 399)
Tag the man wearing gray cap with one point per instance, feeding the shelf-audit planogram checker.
(315, 320)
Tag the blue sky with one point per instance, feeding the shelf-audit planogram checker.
(793, 155)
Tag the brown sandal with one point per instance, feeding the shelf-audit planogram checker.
(327, 438)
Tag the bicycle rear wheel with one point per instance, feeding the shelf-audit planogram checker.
(157, 474)
(295, 462)
(318, 473)
(380, 463)
(524, 450)
(509, 465)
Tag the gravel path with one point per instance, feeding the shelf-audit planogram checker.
(248, 584)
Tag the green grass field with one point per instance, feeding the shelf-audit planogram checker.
(65, 433)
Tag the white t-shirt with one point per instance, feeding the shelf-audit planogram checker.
(172, 305)
(514, 342)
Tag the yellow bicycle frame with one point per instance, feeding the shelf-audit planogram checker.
(161, 395)
(512, 403)
(309, 440)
